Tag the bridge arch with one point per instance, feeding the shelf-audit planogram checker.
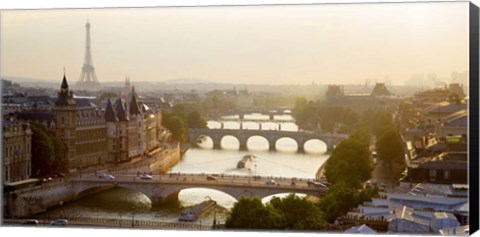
(159, 191)
(202, 140)
(286, 138)
(315, 145)
(197, 195)
(259, 145)
(229, 146)
(243, 135)
(92, 190)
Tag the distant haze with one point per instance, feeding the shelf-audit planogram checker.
(347, 43)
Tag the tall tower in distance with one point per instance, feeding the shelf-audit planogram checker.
(88, 79)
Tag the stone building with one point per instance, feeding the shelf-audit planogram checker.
(17, 151)
(80, 125)
(379, 98)
(133, 128)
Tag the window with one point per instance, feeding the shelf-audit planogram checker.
(432, 174)
(446, 174)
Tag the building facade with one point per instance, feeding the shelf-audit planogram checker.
(379, 98)
(17, 151)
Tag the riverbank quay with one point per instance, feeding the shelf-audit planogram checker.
(115, 223)
(158, 160)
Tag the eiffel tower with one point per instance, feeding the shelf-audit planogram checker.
(88, 79)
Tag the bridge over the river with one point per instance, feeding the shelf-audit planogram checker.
(167, 187)
(301, 137)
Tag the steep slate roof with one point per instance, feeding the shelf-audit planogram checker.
(64, 98)
(64, 83)
(134, 109)
(110, 114)
(380, 89)
(121, 111)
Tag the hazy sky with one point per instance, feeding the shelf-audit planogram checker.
(345, 43)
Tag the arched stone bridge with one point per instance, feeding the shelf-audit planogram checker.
(271, 135)
(164, 187)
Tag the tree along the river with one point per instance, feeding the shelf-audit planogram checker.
(349, 163)
(299, 213)
(251, 213)
(176, 125)
(195, 120)
(340, 198)
(288, 213)
(389, 148)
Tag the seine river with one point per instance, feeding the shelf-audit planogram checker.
(284, 162)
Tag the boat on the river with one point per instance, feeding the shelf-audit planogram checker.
(245, 162)
(192, 214)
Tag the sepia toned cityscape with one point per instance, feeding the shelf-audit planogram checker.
(309, 118)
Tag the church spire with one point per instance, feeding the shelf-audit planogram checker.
(65, 98)
(64, 85)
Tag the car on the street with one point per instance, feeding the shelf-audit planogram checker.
(271, 182)
(30, 222)
(106, 176)
(145, 176)
(311, 183)
(59, 222)
(210, 177)
(374, 157)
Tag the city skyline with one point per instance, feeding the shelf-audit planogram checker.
(248, 44)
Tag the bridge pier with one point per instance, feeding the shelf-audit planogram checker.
(301, 149)
(243, 146)
(217, 145)
(272, 146)
(169, 200)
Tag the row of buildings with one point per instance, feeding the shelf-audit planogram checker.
(94, 136)
(432, 196)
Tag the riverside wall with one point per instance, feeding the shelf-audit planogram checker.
(163, 160)
(37, 199)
